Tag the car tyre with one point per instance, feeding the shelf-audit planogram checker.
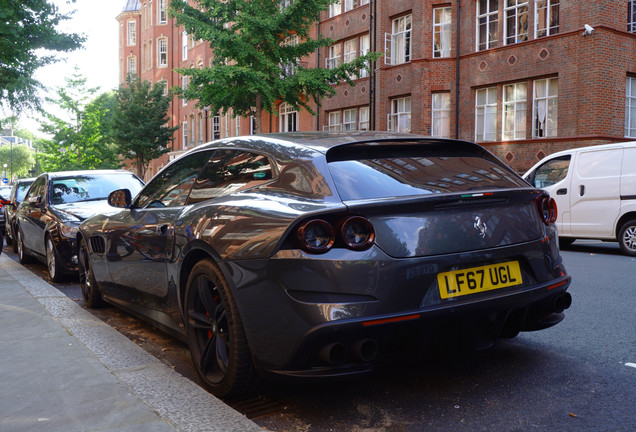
(23, 258)
(627, 238)
(88, 285)
(565, 242)
(215, 333)
(52, 261)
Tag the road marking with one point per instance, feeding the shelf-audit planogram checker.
(631, 365)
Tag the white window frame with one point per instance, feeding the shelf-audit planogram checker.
(440, 115)
(516, 15)
(515, 101)
(132, 66)
(184, 45)
(334, 123)
(350, 50)
(488, 20)
(201, 122)
(363, 2)
(349, 5)
(546, 18)
(334, 56)
(216, 127)
(132, 33)
(400, 118)
(193, 127)
(545, 105)
(486, 114)
(237, 126)
(288, 118)
(184, 128)
(631, 16)
(335, 9)
(363, 118)
(349, 119)
(365, 47)
(630, 107)
(162, 52)
(442, 20)
(162, 14)
(184, 86)
(397, 44)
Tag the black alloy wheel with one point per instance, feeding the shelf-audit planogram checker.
(52, 261)
(627, 238)
(88, 285)
(23, 258)
(215, 333)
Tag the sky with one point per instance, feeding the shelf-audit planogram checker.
(98, 61)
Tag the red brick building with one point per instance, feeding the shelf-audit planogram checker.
(525, 78)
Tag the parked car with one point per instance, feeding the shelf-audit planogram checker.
(55, 204)
(595, 191)
(307, 255)
(4, 200)
(16, 196)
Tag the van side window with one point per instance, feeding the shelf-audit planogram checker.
(551, 172)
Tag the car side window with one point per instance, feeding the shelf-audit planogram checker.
(551, 172)
(229, 171)
(171, 187)
(37, 189)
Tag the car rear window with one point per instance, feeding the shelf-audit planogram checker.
(400, 171)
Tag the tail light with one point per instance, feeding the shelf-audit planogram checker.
(319, 236)
(547, 209)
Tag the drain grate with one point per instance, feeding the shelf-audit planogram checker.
(257, 406)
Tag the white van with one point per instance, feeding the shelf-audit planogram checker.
(595, 191)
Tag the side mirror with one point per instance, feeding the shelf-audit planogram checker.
(120, 198)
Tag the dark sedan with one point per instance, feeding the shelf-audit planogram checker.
(5, 191)
(20, 188)
(55, 204)
(311, 255)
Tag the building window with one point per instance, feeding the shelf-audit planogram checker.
(163, 17)
(545, 108)
(442, 32)
(164, 84)
(335, 9)
(487, 19)
(514, 111)
(440, 122)
(132, 33)
(546, 18)
(400, 118)
(288, 118)
(289, 68)
(631, 16)
(334, 59)
(516, 22)
(202, 136)
(162, 52)
(363, 116)
(184, 87)
(397, 45)
(184, 45)
(486, 114)
(365, 47)
(285, 4)
(334, 121)
(216, 127)
(350, 50)
(630, 108)
(132, 66)
(193, 136)
(184, 128)
(349, 119)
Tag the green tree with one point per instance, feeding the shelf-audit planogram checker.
(29, 39)
(19, 159)
(139, 125)
(255, 67)
(80, 129)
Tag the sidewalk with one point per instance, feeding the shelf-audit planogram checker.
(62, 369)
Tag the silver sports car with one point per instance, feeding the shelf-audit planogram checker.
(311, 255)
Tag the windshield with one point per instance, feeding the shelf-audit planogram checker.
(66, 190)
(385, 177)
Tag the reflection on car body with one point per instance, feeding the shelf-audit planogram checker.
(310, 255)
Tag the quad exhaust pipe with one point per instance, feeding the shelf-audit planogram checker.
(336, 353)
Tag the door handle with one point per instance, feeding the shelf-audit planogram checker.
(162, 230)
(563, 191)
(581, 190)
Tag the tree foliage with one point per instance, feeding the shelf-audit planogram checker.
(140, 122)
(254, 66)
(19, 159)
(80, 129)
(29, 39)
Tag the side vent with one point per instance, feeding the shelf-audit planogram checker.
(97, 244)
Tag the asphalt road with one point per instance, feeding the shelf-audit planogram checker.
(577, 376)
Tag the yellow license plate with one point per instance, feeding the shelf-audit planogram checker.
(479, 279)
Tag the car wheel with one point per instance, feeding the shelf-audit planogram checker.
(22, 256)
(88, 285)
(215, 333)
(52, 262)
(627, 237)
(565, 242)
